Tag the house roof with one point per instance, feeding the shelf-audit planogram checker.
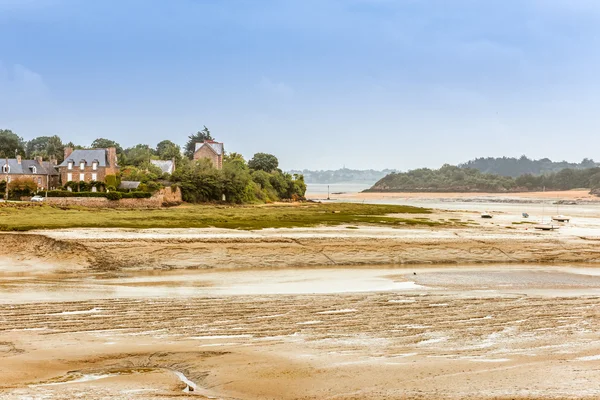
(166, 166)
(50, 167)
(25, 167)
(129, 185)
(217, 147)
(88, 156)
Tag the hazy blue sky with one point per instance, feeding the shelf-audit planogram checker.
(319, 83)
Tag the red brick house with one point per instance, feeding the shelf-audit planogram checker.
(212, 150)
(88, 165)
(43, 173)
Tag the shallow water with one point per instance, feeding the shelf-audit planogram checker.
(469, 280)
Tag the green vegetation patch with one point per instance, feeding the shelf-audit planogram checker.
(203, 216)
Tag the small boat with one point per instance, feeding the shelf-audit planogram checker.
(561, 218)
(486, 215)
(546, 227)
(525, 215)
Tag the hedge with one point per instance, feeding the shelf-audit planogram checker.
(109, 195)
(66, 193)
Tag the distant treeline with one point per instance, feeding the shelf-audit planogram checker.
(459, 179)
(343, 175)
(514, 167)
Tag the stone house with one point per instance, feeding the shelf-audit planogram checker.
(212, 150)
(43, 173)
(88, 165)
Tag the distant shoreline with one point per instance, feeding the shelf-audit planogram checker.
(557, 195)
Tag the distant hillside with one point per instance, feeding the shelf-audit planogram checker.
(343, 175)
(456, 179)
(514, 167)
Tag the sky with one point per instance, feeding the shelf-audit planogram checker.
(321, 84)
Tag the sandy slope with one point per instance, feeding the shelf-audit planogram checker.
(117, 249)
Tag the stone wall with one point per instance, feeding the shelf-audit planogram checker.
(166, 195)
(103, 202)
(170, 195)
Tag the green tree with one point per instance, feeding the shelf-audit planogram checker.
(45, 146)
(102, 143)
(167, 150)
(264, 162)
(55, 148)
(194, 138)
(138, 155)
(237, 183)
(10, 143)
(199, 181)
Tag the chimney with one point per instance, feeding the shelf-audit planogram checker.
(111, 154)
(19, 159)
(68, 152)
(39, 159)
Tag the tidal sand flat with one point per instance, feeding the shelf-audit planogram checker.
(489, 331)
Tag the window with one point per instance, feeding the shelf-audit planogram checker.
(69, 177)
(70, 165)
(81, 177)
(94, 177)
(94, 189)
(82, 165)
(6, 168)
(33, 170)
(39, 181)
(94, 166)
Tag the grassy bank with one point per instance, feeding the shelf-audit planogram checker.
(24, 217)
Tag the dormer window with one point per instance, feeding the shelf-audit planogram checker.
(70, 165)
(82, 165)
(95, 165)
(33, 170)
(6, 168)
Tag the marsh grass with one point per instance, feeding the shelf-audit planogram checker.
(18, 218)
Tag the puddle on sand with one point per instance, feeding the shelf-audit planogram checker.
(534, 280)
(182, 284)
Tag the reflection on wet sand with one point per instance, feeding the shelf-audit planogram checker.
(364, 333)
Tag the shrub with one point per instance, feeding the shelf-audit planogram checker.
(114, 195)
(66, 193)
(111, 181)
(135, 195)
(21, 187)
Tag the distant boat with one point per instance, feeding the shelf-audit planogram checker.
(546, 227)
(559, 217)
(486, 215)
(543, 226)
(525, 215)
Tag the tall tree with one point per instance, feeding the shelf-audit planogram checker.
(194, 138)
(45, 146)
(37, 146)
(167, 150)
(55, 148)
(10, 143)
(138, 155)
(264, 162)
(102, 143)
